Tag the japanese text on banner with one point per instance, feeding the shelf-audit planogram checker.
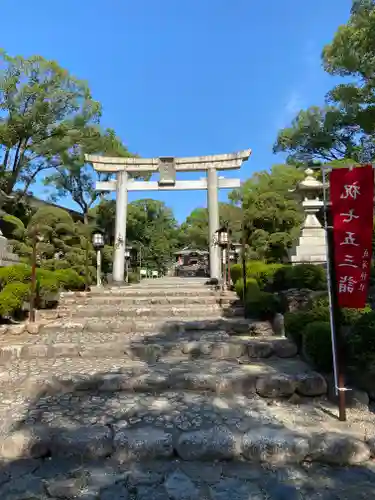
(352, 193)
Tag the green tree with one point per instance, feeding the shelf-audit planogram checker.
(194, 230)
(75, 178)
(44, 113)
(272, 215)
(351, 54)
(321, 134)
(151, 228)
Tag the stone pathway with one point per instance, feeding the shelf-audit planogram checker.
(180, 409)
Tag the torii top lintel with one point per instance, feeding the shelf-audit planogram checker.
(191, 163)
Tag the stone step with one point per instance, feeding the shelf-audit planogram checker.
(177, 479)
(232, 326)
(132, 428)
(215, 346)
(269, 378)
(152, 291)
(160, 311)
(146, 301)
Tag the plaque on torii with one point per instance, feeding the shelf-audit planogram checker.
(167, 168)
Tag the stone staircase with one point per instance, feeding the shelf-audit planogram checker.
(147, 379)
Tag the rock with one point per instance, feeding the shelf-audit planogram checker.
(338, 449)
(115, 492)
(258, 349)
(371, 444)
(16, 329)
(3, 329)
(222, 350)
(142, 444)
(25, 443)
(234, 489)
(262, 328)
(28, 487)
(191, 348)
(32, 328)
(150, 493)
(9, 352)
(66, 488)
(209, 444)
(311, 384)
(284, 348)
(275, 386)
(86, 442)
(180, 487)
(34, 351)
(278, 325)
(296, 299)
(295, 399)
(274, 446)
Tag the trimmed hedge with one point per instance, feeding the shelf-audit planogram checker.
(317, 345)
(12, 298)
(263, 306)
(15, 286)
(361, 342)
(300, 276)
(252, 287)
(69, 279)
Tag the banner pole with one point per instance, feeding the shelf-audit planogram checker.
(335, 312)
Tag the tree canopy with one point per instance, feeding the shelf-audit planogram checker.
(44, 113)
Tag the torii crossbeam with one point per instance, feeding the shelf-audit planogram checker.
(167, 168)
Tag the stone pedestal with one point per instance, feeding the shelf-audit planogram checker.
(7, 257)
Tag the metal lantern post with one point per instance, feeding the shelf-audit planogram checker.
(127, 258)
(223, 242)
(98, 244)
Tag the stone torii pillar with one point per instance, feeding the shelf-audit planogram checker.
(167, 167)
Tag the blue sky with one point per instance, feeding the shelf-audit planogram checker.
(186, 77)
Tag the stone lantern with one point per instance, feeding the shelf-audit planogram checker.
(311, 244)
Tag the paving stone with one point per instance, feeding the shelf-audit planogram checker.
(284, 348)
(25, 443)
(25, 488)
(209, 444)
(142, 444)
(340, 449)
(93, 441)
(275, 386)
(115, 492)
(150, 493)
(257, 349)
(180, 487)
(66, 487)
(274, 446)
(222, 350)
(311, 384)
(234, 489)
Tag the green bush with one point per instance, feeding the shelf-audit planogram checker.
(258, 270)
(263, 306)
(296, 322)
(252, 287)
(235, 273)
(300, 276)
(12, 297)
(19, 273)
(69, 279)
(361, 342)
(317, 345)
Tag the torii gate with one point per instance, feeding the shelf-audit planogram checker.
(167, 167)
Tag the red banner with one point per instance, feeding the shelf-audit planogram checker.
(352, 195)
